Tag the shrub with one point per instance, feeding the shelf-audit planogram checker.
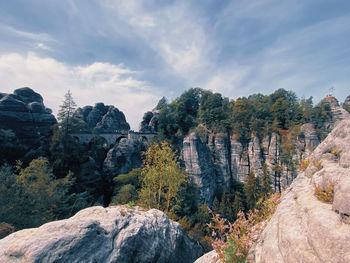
(317, 164)
(5, 229)
(325, 194)
(232, 242)
(336, 153)
(304, 163)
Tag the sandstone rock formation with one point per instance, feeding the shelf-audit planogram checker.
(210, 257)
(24, 113)
(97, 234)
(199, 165)
(303, 228)
(233, 161)
(123, 157)
(103, 118)
(338, 113)
(149, 122)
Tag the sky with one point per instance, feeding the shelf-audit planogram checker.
(131, 53)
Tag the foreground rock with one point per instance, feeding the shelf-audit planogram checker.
(97, 234)
(210, 257)
(303, 228)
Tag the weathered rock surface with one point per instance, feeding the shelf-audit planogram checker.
(97, 234)
(311, 140)
(24, 113)
(303, 228)
(149, 122)
(338, 113)
(210, 257)
(103, 118)
(198, 163)
(123, 157)
(222, 162)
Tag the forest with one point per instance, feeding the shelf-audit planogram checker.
(51, 187)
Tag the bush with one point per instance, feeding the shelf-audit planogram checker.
(304, 163)
(232, 242)
(5, 229)
(125, 195)
(325, 194)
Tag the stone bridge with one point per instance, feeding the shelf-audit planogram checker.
(113, 138)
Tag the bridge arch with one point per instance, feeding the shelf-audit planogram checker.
(119, 139)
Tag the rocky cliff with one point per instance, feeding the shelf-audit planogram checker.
(149, 123)
(215, 161)
(123, 157)
(231, 160)
(103, 118)
(25, 114)
(97, 234)
(303, 228)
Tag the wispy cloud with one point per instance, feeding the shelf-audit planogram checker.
(97, 82)
(233, 47)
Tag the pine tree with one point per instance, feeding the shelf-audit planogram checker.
(66, 111)
(216, 205)
(266, 188)
(253, 190)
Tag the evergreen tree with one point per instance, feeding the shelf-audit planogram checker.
(216, 205)
(66, 111)
(266, 188)
(253, 190)
(33, 197)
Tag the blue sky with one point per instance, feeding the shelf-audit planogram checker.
(131, 53)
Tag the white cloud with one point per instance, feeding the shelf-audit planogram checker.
(173, 31)
(97, 82)
(29, 35)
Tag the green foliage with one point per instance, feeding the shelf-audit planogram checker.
(10, 148)
(66, 154)
(346, 106)
(161, 176)
(32, 196)
(325, 193)
(213, 110)
(162, 103)
(126, 187)
(232, 242)
(178, 117)
(321, 114)
(265, 183)
(252, 190)
(66, 111)
(126, 194)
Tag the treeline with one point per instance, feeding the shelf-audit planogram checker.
(53, 187)
(257, 113)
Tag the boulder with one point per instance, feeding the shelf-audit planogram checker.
(303, 228)
(24, 113)
(97, 234)
(103, 118)
(113, 120)
(210, 257)
(27, 95)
